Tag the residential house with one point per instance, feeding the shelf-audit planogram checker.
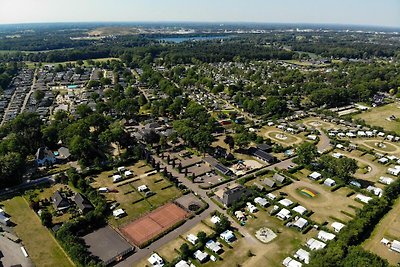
(231, 194)
(269, 182)
(82, 203)
(60, 201)
(45, 156)
(279, 178)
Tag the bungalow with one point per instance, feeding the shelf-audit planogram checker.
(202, 257)
(262, 155)
(155, 260)
(268, 182)
(265, 147)
(383, 160)
(314, 244)
(289, 262)
(228, 236)
(312, 137)
(192, 239)
(375, 190)
(337, 155)
(4, 220)
(300, 223)
(45, 156)
(240, 215)
(337, 226)
(395, 246)
(214, 163)
(143, 188)
(381, 134)
(325, 236)
(117, 178)
(385, 180)
(315, 176)
(118, 213)
(60, 201)
(351, 135)
(63, 154)
(329, 182)
(303, 255)
(251, 207)
(215, 219)
(364, 199)
(261, 201)
(103, 190)
(214, 246)
(394, 171)
(278, 178)
(82, 203)
(285, 202)
(340, 146)
(300, 209)
(128, 173)
(369, 134)
(284, 214)
(361, 134)
(183, 263)
(271, 196)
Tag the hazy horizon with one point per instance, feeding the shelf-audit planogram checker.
(385, 13)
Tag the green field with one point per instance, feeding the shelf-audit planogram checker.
(130, 199)
(32, 64)
(378, 117)
(41, 246)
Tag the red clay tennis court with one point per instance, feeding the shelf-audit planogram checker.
(153, 224)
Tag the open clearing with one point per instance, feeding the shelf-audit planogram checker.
(130, 199)
(388, 227)
(326, 205)
(273, 253)
(40, 244)
(378, 117)
(286, 139)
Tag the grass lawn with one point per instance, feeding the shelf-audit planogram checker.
(47, 193)
(32, 64)
(168, 251)
(326, 205)
(317, 123)
(388, 228)
(40, 244)
(133, 202)
(378, 117)
(289, 140)
(287, 241)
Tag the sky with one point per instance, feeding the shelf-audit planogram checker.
(358, 12)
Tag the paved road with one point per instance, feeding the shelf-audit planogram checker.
(324, 141)
(28, 95)
(27, 184)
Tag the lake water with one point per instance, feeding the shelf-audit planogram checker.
(197, 38)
